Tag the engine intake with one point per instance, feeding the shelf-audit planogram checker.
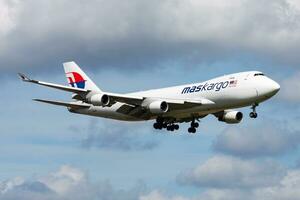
(99, 100)
(158, 107)
(231, 117)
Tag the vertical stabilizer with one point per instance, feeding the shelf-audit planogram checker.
(77, 78)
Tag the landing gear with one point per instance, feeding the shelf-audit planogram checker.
(193, 127)
(170, 125)
(253, 114)
(157, 126)
(192, 130)
(160, 124)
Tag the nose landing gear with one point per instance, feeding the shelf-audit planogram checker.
(253, 114)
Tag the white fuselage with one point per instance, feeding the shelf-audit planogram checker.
(227, 92)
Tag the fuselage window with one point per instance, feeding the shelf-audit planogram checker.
(259, 74)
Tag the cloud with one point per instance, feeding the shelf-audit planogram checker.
(157, 195)
(77, 185)
(137, 34)
(230, 172)
(67, 183)
(60, 182)
(230, 178)
(269, 139)
(287, 188)
(7, 16)
(290, 88)
(66, 178)
(125, 137)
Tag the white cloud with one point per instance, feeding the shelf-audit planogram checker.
(287, 188)
(248, 174)
(5, 186)
(8, 12)
(66, 183)
(64, 180)
(229, 178)
(157, 195)
(230, 172)
(269, 139)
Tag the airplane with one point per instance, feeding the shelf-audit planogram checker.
(167, 106)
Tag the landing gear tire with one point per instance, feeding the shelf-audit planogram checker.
(253, 115)
(192, 130)
(195, 124)
(170, 128)
(157, 126)
(176, 126)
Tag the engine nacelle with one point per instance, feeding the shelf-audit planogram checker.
(158, 107)
(99, 100)
(231, 117)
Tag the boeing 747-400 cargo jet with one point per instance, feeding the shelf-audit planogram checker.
(168, 106)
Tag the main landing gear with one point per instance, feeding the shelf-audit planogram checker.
(171, 126)
(160, 124)
(193, 127)
(253, 114)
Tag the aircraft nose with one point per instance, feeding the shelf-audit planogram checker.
(268, 88)
(275, 86)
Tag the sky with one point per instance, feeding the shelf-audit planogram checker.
(124, 46)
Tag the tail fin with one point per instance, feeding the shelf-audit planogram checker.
(77, 78)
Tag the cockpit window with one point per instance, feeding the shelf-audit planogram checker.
(259, 74)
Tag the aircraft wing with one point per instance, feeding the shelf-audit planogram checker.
(52, 85)
(133, 104)
(122, 98)
(138, 101)
(74, 105)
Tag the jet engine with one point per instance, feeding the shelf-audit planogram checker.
(158, 107)
(99, 100)
(231, 117)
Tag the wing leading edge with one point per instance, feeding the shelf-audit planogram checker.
(134, 101)
(52, 85)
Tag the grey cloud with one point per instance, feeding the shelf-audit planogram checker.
(128, 137)
(73, 183)
(290, 88)
(139, 34)
(67, 183)
(287, 188)
(230, 172)
(158, 195)
(270, 139)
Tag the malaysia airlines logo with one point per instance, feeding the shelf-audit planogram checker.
(76, 80)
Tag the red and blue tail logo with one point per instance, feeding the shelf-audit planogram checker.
(76, 80)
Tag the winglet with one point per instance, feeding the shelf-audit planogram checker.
(23, 77)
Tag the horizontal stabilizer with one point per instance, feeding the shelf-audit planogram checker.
(66, 104)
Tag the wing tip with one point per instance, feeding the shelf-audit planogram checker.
(23, 77)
